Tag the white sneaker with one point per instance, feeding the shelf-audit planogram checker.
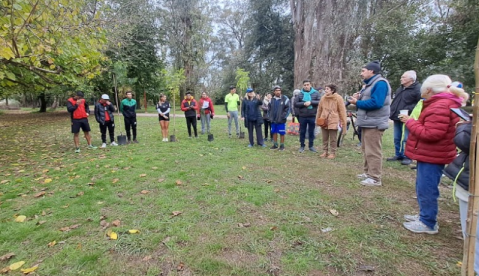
(163, 140)
(103, 145)
(411, 217)
(362, 176)
(370, 182)
(166, 139)
(419, 227)
(113, 144)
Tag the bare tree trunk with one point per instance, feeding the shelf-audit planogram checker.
(55, 102)
(43, 102)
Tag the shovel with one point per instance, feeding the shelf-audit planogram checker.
(241, 134)
(120, 138)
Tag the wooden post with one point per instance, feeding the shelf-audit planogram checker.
(144, 100)
(473, 205)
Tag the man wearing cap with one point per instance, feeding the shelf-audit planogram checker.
(373, 117)
(128, 109)
(190, 106)
(104, 116)
(251, 113)
(278, 113)
(232, 101)
(405, 99)
(79, 111)
(307, 103)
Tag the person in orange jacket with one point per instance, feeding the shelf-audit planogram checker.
(190, 106)
(206, 111)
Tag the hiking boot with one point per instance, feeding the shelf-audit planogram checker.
(394, 158)
(103, 145)
(113, 144)
(312, 149)
(281, 148)
(301, 149)
(331, 156)
(362, 176)
(418, 226)
(274, 147)
(77, 150)
(91, 147)
(370, 182)
(324, 154)
(411, 217)
(406, 161)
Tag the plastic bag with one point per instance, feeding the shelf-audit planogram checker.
(317, 131)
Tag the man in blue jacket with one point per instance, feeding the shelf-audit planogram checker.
(278, 113)
(306, 104)
(373, 117)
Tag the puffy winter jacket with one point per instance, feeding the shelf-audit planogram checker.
(460, 165)
(405, 98)
(100, 112)
(302, 110)
(431, 137)
(333, 109)
(128, 108)
(278, 110)
(251, 111)
(79, 111)
(185, 104)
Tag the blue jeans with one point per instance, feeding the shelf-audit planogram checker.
(303, 123)
(398, 132)
(427, 190)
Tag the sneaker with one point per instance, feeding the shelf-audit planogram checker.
(263, 146)
(274, 147)
(166, 139)
(418, 226)
(281, 148)
(190, 137)
(135, 141)
(113, 144)
(394, 158)
(370, 182)
(77, 150)
(312, 149)
(406, 161)
(128, 142)
(91, 147)
(411, 217)
(103, 145)
(266, 139)
(359, 144)
(250, 146)
(362, 176)
(301, 149)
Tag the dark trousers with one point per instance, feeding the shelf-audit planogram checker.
(111, 130)
(305, 122)
(191, 121)
(252, 126)
(130, 123)
(267, 128)
(428, 177)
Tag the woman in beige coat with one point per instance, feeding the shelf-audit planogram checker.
(332, 109)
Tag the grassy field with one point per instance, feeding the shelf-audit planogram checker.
(206, 208)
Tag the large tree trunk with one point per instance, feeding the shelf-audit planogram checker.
(43, 102)
(325, 34)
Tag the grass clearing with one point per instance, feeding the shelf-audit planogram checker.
(243, 211)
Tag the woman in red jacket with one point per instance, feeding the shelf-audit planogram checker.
(206, 111)
(430, 142)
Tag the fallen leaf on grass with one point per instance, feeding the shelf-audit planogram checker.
(112, 235)
(161, 180)
(366, 268)
(166, 240)
(91, 184)
(20, 218)
(178, 182)
(245, 225)
(51, 244)
(240, 177)
(334, 212)
(180, 267)
(29, 270)
(147, 258)
(244, 168)
(41, 222)
(16, 265)
(176, 213)
(48, 180)
(4, 181)
(134, 231)
(143, 175)
(4, 270)
(116, 223)
(144, 192)
(66, 229)
(104, 224)
(459, 264)
(39, 194)
(7, 256)
(274, 228)
(80, 193)
(115, 180)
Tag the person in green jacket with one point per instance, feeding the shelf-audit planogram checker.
(128, 109)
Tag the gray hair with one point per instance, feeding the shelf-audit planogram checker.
(411, 74)
(296, 92)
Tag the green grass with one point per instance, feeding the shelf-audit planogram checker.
(244, 211)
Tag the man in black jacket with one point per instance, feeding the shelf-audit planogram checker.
(307, 103)
(405, 98)
(104, 116)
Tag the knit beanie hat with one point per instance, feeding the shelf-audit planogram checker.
(375, 66)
